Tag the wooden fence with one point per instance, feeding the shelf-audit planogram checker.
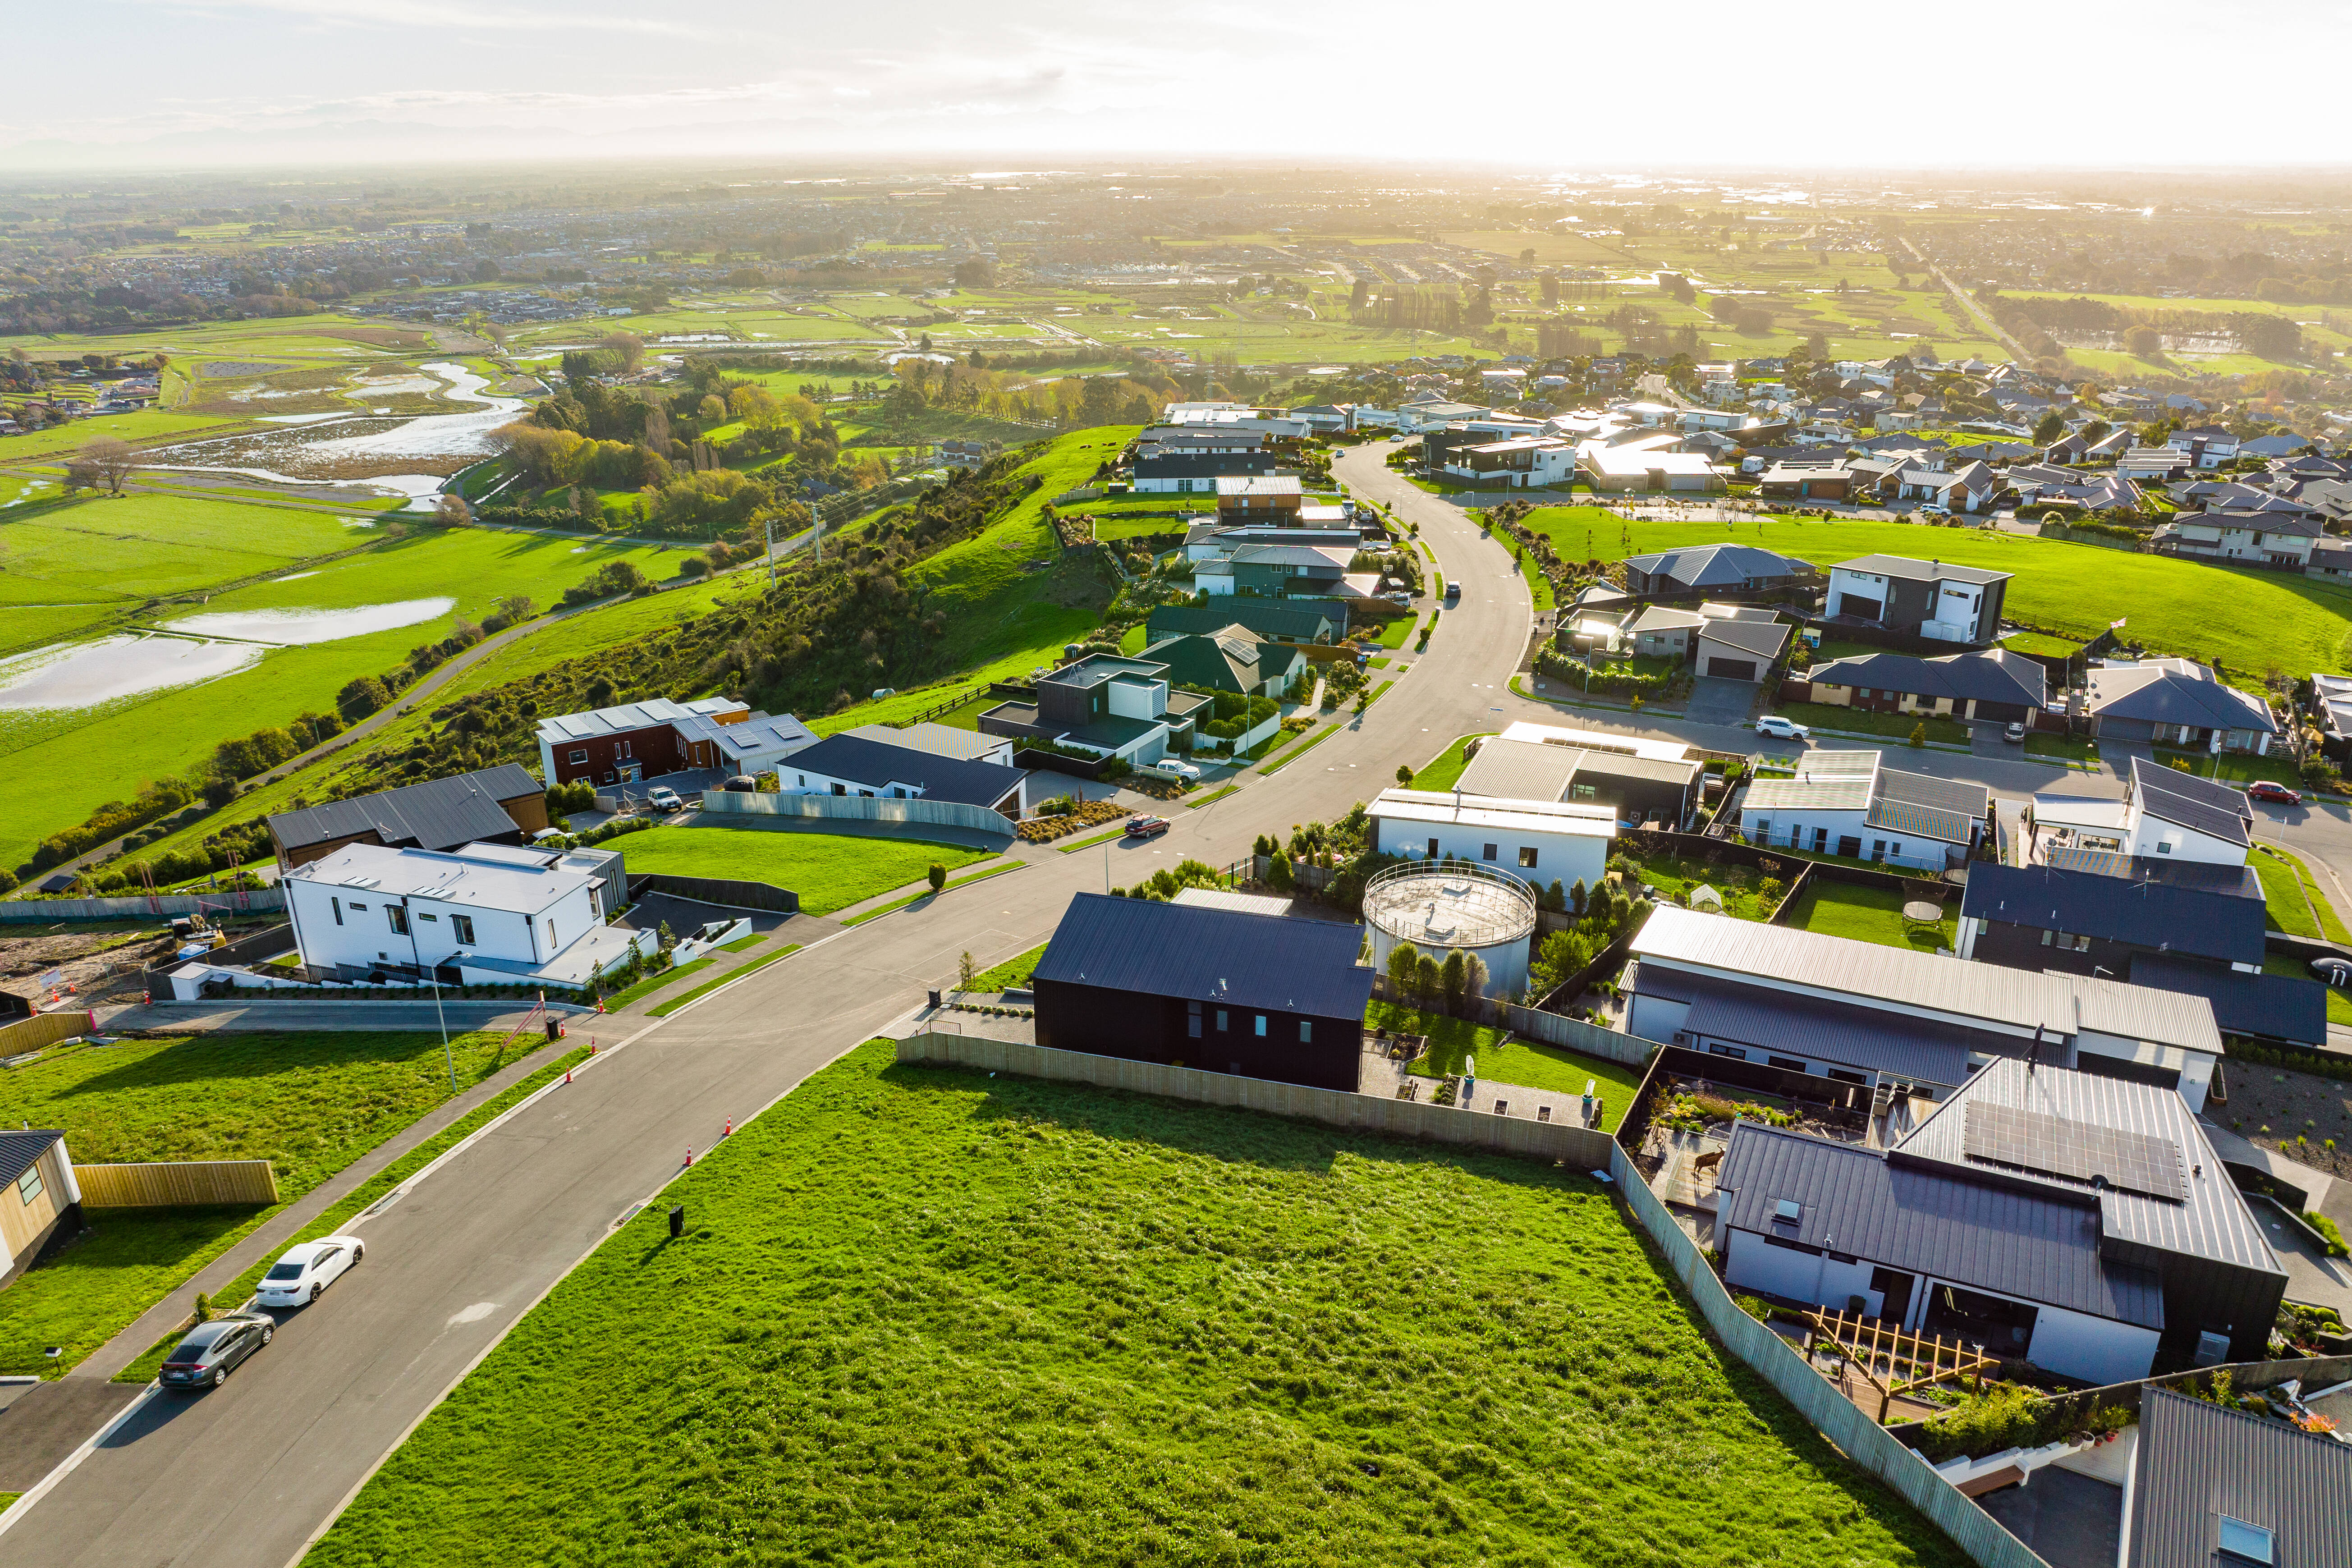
(1576, 1034)
(192, 1183)
(229, 904)
(44, 1030)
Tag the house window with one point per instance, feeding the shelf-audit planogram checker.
(1489, 853)
(1527, 858)
(1732, 1051)
(336, 905)
(841, 789)
(1221, 1020)
(2243, 1543)
(29, 1187)
(578, 757)
(462, 928)
(1763, 831)
(1433, 849)
(399, 919)
(1192, 1020)
(1260, 1030)
(435, 919)
(1789, 1064)
(1305, 1032)
(1821, 840)
(551, 936)
(359, 907)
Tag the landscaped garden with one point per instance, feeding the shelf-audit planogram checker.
(830, 872)
(1531, 1064)
(929, 1314)
(308, 1103)
(1894, 726)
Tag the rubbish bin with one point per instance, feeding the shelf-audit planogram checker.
(554, 1028)
(676, 1220)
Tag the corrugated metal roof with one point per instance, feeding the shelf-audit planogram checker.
(2150, 914)
(1914, 571)
(1814, 792)
(2197, 1462)
(1717, 565)
(1608, 740)
(1762, 638)
(18, 1151)
(439, 814)
(623, 717)
(1853, 1200)
(1210, 955)
(2274, 1006)
(875, 765)
(1919, 821)
(1520, 769)
(2175, 691)
(1878, 976)
(1487, 810)
(2198, 804)
(2213, 1223)
(940, 739)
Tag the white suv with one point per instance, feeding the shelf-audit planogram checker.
(1786, 728)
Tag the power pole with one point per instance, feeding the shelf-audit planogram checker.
(768, 531)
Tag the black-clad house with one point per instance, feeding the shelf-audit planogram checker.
(1223, 990)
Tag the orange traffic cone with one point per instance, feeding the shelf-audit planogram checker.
(729, 1133)
(689, 1153)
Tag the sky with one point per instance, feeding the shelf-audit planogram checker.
(1830, 83)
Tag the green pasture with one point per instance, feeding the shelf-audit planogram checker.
(830, 872)
(924, 1314)
(2245, 616)
(135, 547)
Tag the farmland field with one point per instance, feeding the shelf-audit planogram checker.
(924, 1315)
(829, 870)
(2244, 616)
(135, 547)
(309, 1104)
(164, 732)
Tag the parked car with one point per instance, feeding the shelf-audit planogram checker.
(2278, 793)
(665, 798)
(1182, 769)
(1146, 826)
(1930, 509)
(1397, 596)
(2335, 971)
(1786, 728)
(212, 1351)
(2015, 733)
(308, 1268)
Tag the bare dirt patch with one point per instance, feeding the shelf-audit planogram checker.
(2275, 1108)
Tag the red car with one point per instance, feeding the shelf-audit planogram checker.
(1146, 826)
(2266, 790)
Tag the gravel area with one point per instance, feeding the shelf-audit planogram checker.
(2273, 1107)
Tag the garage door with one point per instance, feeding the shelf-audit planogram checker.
(1856, 606)
(1732, 669)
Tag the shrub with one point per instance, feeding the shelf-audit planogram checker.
(2327, 1227)
(1919, 734)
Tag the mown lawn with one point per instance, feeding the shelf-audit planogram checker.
(2283, 894)
(1013, 972)
(829, 870)
(1444, 769)
(1867, 914)
(1452, 1042)
(1894, 726)
(928, 1315)
(309, 1104)
(2245, 616)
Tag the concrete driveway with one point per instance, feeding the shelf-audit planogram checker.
(1716, 700)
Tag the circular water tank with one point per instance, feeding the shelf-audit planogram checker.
(1441, 906)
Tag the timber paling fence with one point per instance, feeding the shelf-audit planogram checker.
(194, 1184)
(1856, 1435)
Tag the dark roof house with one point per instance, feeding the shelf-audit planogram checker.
(495, 806)
(856, 763)
(2212, 1487)
(1705, 567)
(1994, 684)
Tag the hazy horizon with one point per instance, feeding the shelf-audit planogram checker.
(293, 83)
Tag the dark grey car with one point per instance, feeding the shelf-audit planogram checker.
(206, 1357)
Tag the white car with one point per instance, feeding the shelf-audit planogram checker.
(307, 1269)
(665, 798)
(1182, 769)
(1788, 729)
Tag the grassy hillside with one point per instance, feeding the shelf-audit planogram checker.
(2243, 616)
(930, 1316)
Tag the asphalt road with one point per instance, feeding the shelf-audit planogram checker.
(249, 1474)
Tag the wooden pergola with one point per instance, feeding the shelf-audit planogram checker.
(1912, 1361)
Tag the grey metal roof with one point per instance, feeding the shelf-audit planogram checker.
(1916, 804)
(625, 717)
(875, 765)
(2202, 806)
(1915, 571)
(2175, 691)
(1764, 639)
(2271, 1007)
(1665, 618)
(1999, 676)
(1520, 769)
(18, 1151)
(2150, 914)
(1267, 618)
(1871, 975)
(1225, 956)
(2213, 1223)
(1913, 1049)
(439, 814)
(2198, 1460)
(1930, 1223)
(940, 739)
(1717, 565)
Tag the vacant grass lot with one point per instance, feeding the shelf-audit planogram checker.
(309, 1104)
(829, 870)
(924, 1315)
(2245, 616)
(1867, 914)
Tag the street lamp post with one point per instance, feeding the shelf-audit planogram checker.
(448, 1056)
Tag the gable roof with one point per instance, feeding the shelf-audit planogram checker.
(1717, 565)
(1226, 957)
(2156, 915)
(861, 760)
(2198, 1460)
(19, 1151)
(1226, 660)
(1267, 618)
(1765, 639)
(439, 814)
(2175, 691)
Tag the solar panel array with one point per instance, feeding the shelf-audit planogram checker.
(2074, 1151)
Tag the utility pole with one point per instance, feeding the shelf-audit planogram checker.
(768, 531)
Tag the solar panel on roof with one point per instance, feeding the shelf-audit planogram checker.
(2074, 1151)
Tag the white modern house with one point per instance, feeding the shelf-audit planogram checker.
(1540, 841)
(2165, 817)
(487, 914)
(1846, 802)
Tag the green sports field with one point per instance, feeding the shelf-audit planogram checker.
(930, 1315)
